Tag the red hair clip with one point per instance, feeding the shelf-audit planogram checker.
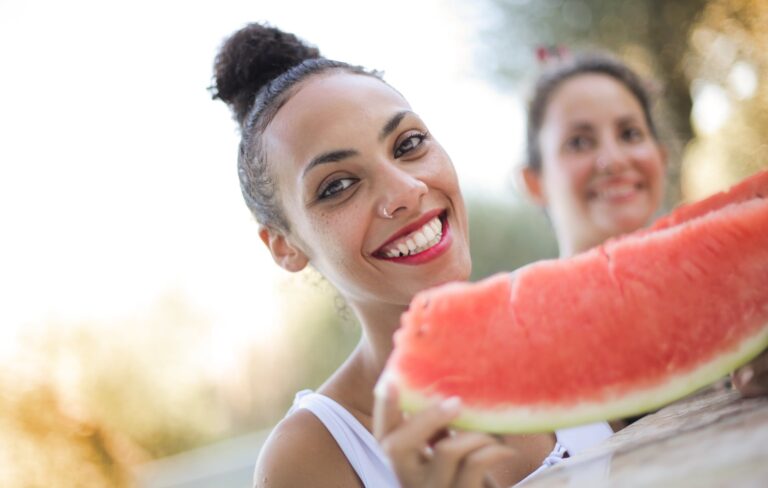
(550, 54)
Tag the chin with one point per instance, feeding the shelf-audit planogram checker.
(627, 224)
(624, 221)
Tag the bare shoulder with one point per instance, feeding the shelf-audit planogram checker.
(301, 452)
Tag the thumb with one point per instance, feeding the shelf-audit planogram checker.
(386, 411)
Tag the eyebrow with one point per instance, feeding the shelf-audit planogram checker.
(339, 155)
(330, 157)
(581, 126)
(627, 119)
(392, 124)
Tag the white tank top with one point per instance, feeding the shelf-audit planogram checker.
(371, 464)
(359, 446)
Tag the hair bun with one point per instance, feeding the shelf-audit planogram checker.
(249, 59)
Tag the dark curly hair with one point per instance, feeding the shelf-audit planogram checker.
(254, 73)
(558, 73)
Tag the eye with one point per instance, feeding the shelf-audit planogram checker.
(409, 144)
(334, 187)
(579, 143)
(632, 134)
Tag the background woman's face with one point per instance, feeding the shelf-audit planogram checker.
(602, 169)
(345, 146)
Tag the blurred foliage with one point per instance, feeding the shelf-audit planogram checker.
(84, 403)
(44, 443)
(727, 54)
(506, 233)
(318, 332)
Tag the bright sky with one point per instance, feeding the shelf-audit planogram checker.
(117, 171)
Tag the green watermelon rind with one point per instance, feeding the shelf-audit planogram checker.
(547, 418)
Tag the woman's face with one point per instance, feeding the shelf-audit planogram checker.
(602, 169)
(372, 199)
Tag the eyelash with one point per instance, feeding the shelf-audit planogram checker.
(577, 143)
(421, 136)
(633, 133)
(323, 195)
(399, 152)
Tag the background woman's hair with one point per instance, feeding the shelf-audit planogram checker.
(558, 72)
(254, 73)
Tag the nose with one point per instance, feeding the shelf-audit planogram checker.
(400, 192)
(611, 158)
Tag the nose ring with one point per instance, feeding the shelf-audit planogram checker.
(385, 213)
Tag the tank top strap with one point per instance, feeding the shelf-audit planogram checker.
(576, 439)
(358, 445)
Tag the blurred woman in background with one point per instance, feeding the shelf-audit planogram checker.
(595, 162)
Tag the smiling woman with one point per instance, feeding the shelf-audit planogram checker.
(594, 158)
(343, 175)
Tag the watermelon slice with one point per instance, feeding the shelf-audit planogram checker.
(619, 330)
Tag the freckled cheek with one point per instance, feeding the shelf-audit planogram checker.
(339, 234)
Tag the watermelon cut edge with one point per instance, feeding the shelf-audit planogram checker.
(515, 419)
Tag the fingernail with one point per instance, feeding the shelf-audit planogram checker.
(745, 375)
(451, 404)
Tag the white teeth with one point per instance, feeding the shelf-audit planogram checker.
(418, 241)
(617, 191)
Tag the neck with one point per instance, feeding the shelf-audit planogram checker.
(379, 323)
(570, 245)
(354, 382)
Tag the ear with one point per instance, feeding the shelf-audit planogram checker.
(532, 181)
(284, 252)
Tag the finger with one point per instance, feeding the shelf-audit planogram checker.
(386, 412)
(451, 453)
(752, 380)
(417, 431)
(475, 470)
(760, 364)
(751, 384)
(489, 482)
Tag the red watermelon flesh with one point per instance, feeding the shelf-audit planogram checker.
(753, 187)
(616, 331)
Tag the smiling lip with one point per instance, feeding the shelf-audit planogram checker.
(616, 190)
(428, 254)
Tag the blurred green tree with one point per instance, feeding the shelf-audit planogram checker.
(506, 233)
(727, 64)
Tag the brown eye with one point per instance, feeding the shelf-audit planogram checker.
(409, 144)
(632, 134)
(335, 187)
(579, 143)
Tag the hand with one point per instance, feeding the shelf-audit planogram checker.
(752, 379)
(425, 454)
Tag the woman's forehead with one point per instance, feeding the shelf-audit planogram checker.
(331, 108)
(592, 91)
(332, 94)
